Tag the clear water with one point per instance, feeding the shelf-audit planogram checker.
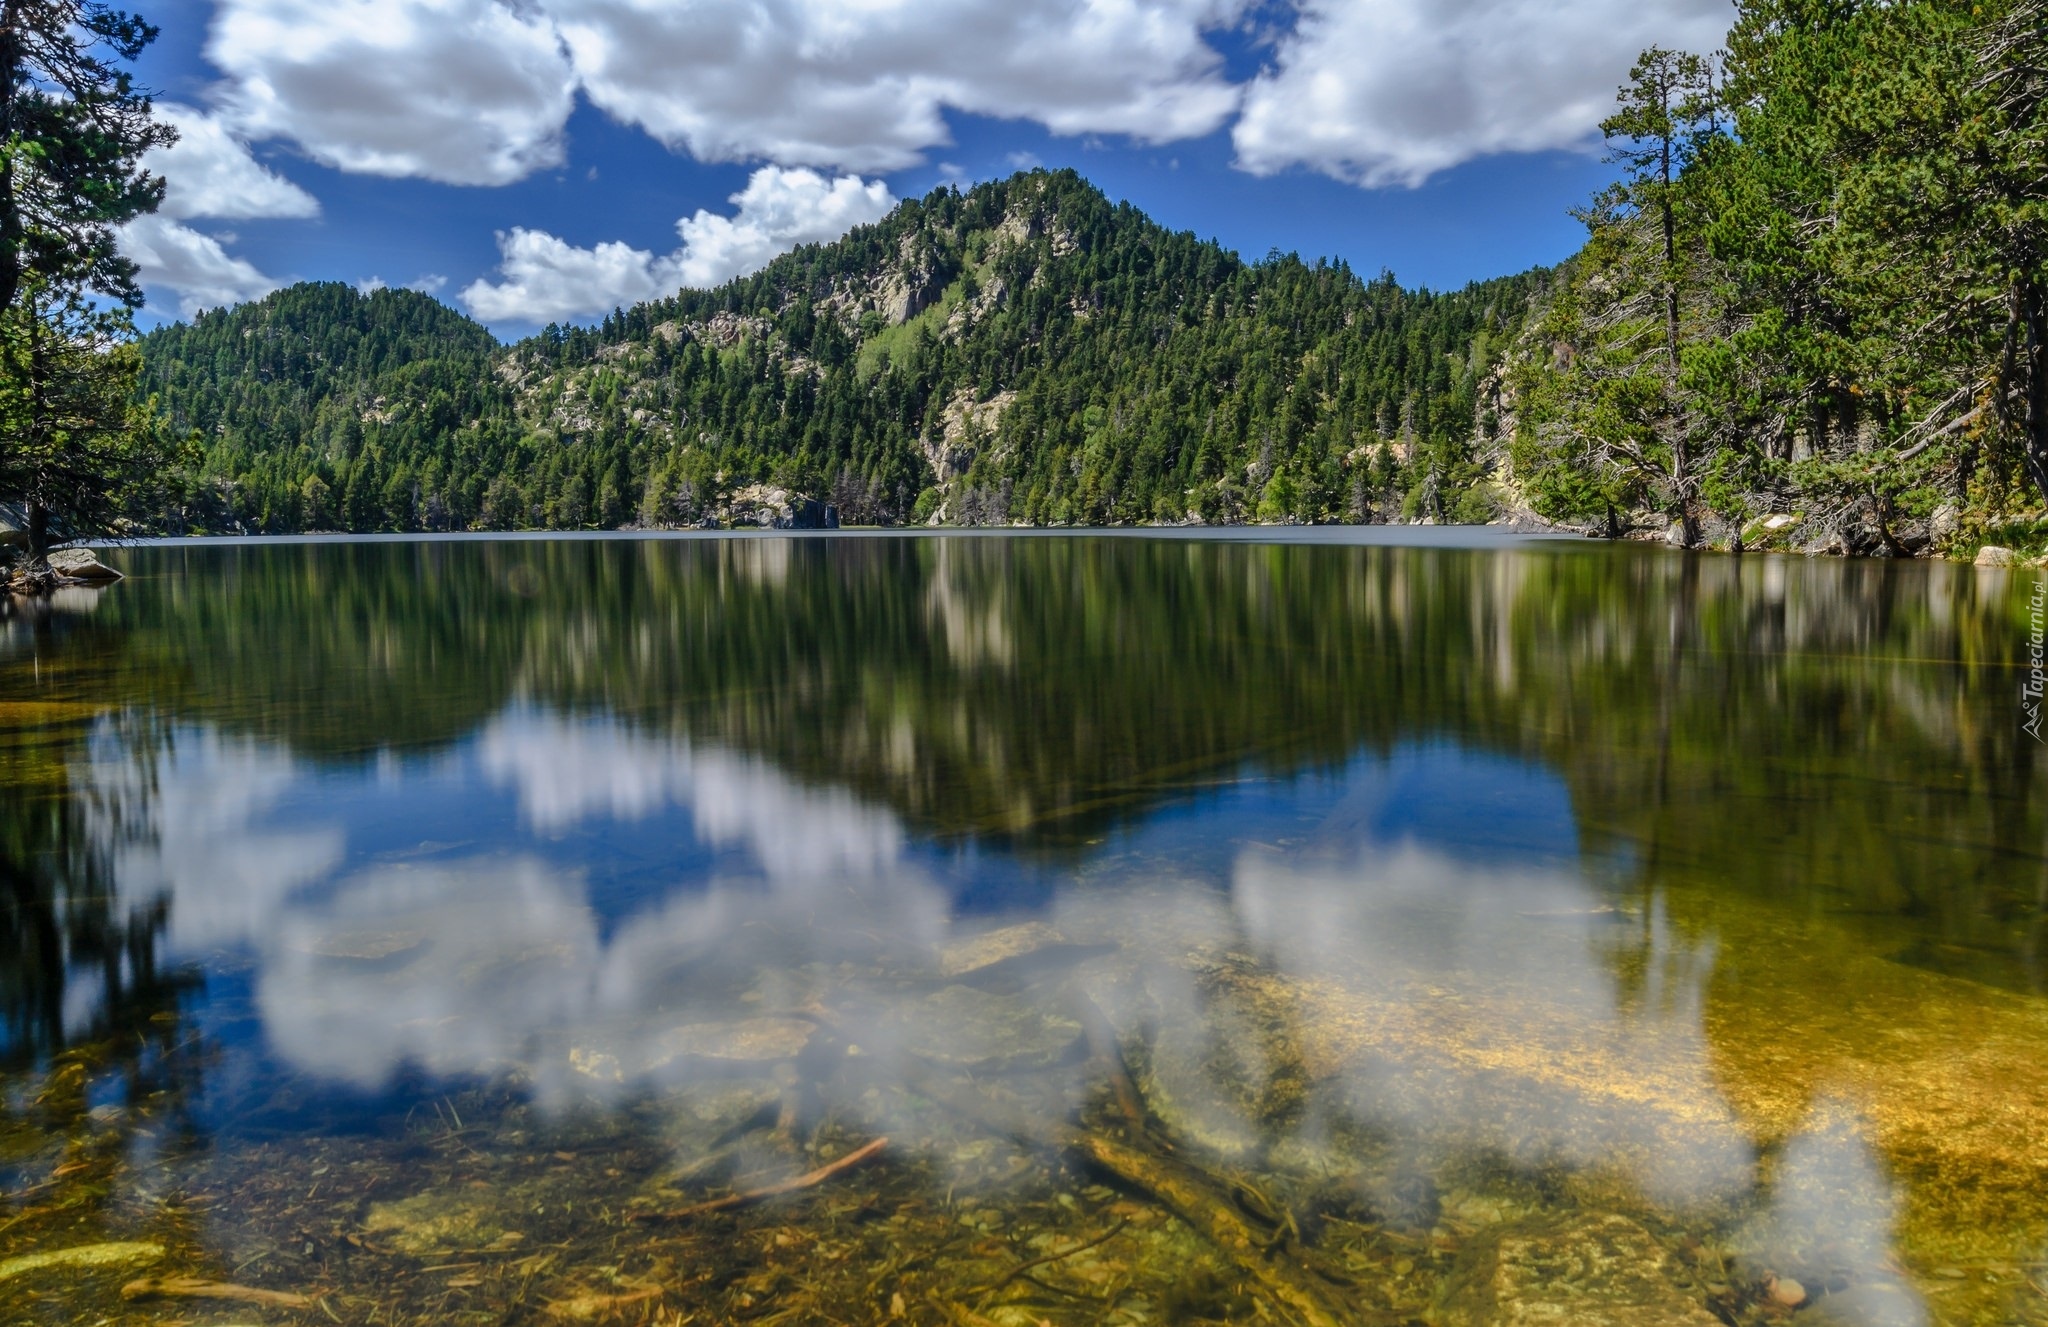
(1236, 929)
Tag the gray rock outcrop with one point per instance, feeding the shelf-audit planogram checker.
(81, 564)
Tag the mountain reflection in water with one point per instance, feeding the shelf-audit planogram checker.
(1425, 898)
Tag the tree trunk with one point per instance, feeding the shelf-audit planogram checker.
(10, 207)
(1681, 450)
(38, 533)
(34, 575)
(2033, 303)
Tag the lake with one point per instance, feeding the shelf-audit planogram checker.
(1273, 926)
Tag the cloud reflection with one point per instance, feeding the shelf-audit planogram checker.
(182, 821)
(566, 771)
(1487, 1006)
(451, 970)
(1312, 1006)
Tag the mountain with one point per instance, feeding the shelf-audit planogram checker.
(1024, 351)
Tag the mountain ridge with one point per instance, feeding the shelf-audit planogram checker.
(1025, 351)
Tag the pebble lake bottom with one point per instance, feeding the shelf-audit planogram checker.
(1299, 927)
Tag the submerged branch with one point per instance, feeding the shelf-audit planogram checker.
(808, 1180)
(198, 1287)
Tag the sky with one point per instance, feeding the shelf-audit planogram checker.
(536, 161)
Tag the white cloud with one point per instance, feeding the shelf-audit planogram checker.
(204, 274)
(544, 278)
(1391, 91)
(464, 91)
(547, 279)
(477, 91)
(208, 172)
(1373, 91)
(778, 210)
(862, 84)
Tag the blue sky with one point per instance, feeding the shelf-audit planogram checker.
(533, 162)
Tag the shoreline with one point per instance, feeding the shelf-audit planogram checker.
(1491, 534)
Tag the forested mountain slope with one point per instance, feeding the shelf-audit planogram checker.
(1024, 351)
(1813, 309)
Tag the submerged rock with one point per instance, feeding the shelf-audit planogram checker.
(963, 1027)
(1011, 949)
(1198, 1100)
(701, 1116)
(628, 1052)
(83, 1257)
(743, 1042)
(1875, 1304)
(434, 1222)
(1594, 1270)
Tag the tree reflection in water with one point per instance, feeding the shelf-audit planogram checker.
(1702, 887)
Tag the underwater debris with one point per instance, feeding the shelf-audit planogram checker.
(1597, 1269)
(596, 1304)
(198, 1287)
(1058, 1256)
(808, 1180)
(1283, 1273)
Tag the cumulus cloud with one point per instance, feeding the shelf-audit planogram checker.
(777, 210)
(186, 822)
(208, 172)
(463, 91)
(863, 86)
(478, 91)
(1372, 91)
(546, 278)
(203, 274)
(1382, 92)
(569, 771)
(543, 277)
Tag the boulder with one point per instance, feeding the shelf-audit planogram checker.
(1200, 1091)
(81, 564)
(1993, 555)
(1597, 1269)
(809, 514)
